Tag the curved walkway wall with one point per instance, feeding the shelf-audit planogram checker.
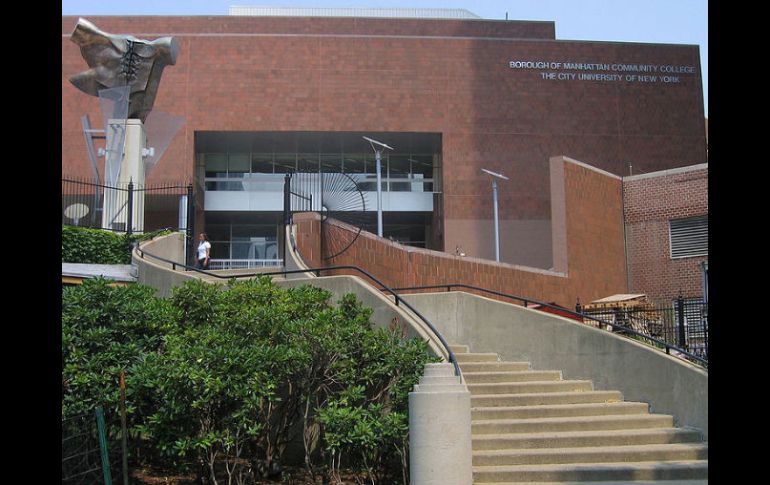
(670, 385)
(159, 274)
(587, 234)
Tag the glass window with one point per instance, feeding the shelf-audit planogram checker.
(255, 248)
(218, 232)
(285, 163)
(240, 250)
(331, 163)
(270, 248)
(422, 165)
(216, 165)
(220, 250)
(398, 168)
(252, 230)
(307, 163)
(262, 163)
(398, 165)
(354, 163)
(238, 164)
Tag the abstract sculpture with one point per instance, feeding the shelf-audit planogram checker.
(123, 60)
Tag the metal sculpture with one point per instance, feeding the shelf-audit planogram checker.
(123, 60)
(335, 196)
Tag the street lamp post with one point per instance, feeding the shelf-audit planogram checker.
(378, 159)
(495, 176)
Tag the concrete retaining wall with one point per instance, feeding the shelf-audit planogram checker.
(156, 273)
(641, 373)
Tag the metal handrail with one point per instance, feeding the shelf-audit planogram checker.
(668, 347)
(317, 271)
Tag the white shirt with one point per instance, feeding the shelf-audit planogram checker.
(203, 248)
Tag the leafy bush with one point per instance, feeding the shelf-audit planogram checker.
(106, 329)
(226, 377)
(96, 246)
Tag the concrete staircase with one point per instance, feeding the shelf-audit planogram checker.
(531, 426)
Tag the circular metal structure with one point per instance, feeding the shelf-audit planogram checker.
(343, 201)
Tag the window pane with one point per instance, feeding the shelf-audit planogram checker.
(354, 163)
(218, 232)
(285, 163)
(422, 164)
(216, 165)
(220, 250)
(253, 230)
(262, 163)
(241, 250)
(238, 164)
(307, 163)
(331, 163)
(398, 166)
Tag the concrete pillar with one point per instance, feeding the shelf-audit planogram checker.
(440, 429)
(131, 169)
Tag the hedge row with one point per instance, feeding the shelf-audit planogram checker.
(96, 246)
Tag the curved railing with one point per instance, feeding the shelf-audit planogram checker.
(602, 323)
(398, 300)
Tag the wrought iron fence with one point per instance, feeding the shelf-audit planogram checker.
(681, 322)
(87, 203)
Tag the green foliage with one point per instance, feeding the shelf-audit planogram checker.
(105, 329)
(365, 421)
(223, 375)
(96, 246)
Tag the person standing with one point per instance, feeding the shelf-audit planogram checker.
(204, 251)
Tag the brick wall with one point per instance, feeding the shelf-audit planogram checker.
(450, 77)
(594, 246)
(650, 201)
(431, 76)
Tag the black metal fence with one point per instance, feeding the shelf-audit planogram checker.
(681, 322)
(86, 203)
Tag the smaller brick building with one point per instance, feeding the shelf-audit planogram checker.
(666, 222)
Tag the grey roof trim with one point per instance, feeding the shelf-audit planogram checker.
(361, 12)
(665, 173)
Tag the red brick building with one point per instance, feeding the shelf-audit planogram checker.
(666, 217)
(261, 96)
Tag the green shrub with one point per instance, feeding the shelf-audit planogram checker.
(106, 329)
(225, 377)
(97, 246)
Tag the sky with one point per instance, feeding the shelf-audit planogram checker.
(649, 21)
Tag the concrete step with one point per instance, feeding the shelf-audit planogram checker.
(531, 387)
(459, 349)
(545, 398)
(597, 454)
(511, 376)
(493, 366)
(477, 357)
(559, 410)
(623, 472)
(581, 423)
(568, 439)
